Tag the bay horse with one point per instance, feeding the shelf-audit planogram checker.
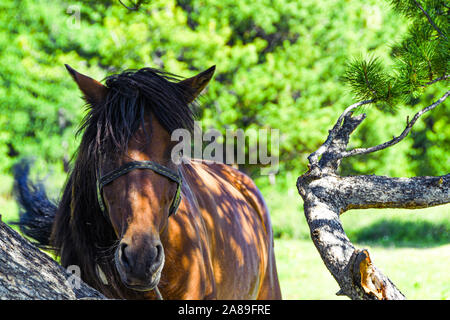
(140, 226)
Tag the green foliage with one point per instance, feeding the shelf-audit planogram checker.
(390, 232)
(279, 65)
(420, 58)
(368, 80)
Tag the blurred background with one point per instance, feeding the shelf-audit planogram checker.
(279, 65)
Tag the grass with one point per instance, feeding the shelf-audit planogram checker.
(419, 228)
(302, 273)
(419, 273)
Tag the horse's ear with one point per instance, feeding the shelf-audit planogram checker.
(193, 86)
(94, 92)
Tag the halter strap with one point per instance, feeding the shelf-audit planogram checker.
(156, 167)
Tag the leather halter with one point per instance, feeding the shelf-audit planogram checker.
(156, 167)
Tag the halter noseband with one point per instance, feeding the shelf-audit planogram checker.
(156, 167)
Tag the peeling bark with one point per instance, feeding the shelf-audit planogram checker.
(26, 273)
(327, 195)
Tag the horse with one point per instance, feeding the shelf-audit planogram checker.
(140, 226)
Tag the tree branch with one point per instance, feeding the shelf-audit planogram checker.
(429, 19)
(371, 191)
(395, 140)
(352, 268)
(436, 80)
(135, 7)
(28, 273)
(314, 157)
(326, 195)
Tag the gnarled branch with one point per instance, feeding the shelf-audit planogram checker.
(30, 274)
(313, 157)
(395, 140)
(327, 195)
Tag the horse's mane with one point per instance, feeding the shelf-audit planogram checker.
(81, 235)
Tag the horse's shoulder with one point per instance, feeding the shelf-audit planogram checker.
(230, 174)
(239, 181)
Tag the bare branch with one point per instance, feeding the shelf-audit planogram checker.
(28, 273)
(314, 157)
(395, 140)
(326, 195)
(372, 191)
(352, 268)
(436, 80)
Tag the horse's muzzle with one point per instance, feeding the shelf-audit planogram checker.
(140, 265)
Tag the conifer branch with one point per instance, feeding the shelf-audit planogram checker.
(429, 19)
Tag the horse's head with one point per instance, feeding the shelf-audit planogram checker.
(138, 184)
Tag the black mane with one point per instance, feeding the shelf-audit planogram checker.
(109, 126)
(81, 235)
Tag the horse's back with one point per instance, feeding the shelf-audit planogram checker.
(239, 231)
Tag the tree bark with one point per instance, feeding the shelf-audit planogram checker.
(27, 273)
(327, 195)
(364, 192)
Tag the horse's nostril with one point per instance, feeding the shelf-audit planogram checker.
(139, 261)
(159, 252)
(123, 255)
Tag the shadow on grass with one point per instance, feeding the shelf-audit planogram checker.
(403, 234)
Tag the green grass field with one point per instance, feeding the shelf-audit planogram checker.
(419, 273)
(412, 247)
